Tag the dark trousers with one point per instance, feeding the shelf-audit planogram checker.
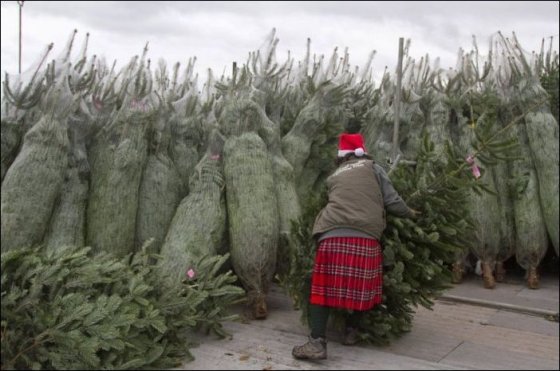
(319, 317)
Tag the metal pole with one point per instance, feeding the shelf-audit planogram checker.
(397, 102)
(20, 3)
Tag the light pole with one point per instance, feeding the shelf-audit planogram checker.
(20, 3)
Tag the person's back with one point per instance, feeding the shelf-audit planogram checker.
(355, 200)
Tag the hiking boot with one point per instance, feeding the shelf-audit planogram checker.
(313, 349)
(351, 336)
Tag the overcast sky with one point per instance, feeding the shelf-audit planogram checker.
(220, 32)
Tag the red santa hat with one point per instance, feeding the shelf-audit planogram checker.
(351, 143)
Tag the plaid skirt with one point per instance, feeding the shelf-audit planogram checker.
(348, 273)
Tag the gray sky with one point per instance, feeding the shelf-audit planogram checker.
(220, 32)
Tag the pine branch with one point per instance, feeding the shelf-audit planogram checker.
(484, 147)
(104, 303)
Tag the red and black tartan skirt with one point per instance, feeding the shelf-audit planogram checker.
(348, 273)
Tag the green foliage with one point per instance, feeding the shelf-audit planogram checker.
(489, 117)
(297, 281)
(67, 309)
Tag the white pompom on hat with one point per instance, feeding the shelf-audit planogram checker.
(351, 143)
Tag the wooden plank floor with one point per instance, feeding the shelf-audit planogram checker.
(452, 335)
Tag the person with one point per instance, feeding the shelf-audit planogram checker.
(347, 270)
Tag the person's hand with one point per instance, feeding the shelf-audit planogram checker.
(415, 214)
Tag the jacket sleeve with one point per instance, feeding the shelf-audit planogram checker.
(394, 204)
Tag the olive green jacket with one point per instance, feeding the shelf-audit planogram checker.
(360, 192)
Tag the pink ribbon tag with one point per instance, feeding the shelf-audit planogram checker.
(475, 171)
(97, 103)
(474, 168)
(138, 105)
(191, 273)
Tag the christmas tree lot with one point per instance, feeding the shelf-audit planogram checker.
(138, 209)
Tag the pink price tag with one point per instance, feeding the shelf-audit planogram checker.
(475, 171)
(191, 273)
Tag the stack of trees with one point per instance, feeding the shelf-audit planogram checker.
(112, 159)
